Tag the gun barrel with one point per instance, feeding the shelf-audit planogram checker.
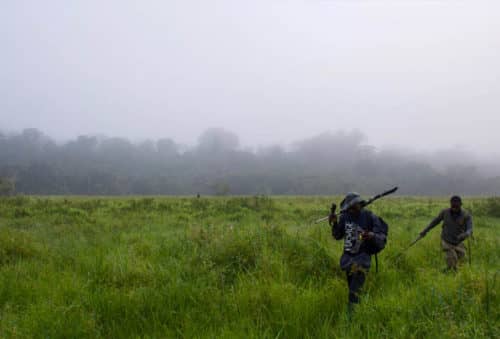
(378, 196)
(415, 241)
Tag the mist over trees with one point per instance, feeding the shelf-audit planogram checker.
(329, 163)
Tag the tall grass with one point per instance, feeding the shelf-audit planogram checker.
(252, 267)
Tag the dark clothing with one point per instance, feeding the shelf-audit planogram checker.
(453, 225)
(355, 281)
(357, 251)
(356, 259)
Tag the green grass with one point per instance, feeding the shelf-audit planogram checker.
(241, 267)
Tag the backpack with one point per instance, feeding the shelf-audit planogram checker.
(374, 248)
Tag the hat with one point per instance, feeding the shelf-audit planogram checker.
(351, 199)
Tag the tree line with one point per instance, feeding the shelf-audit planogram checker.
(330, 163)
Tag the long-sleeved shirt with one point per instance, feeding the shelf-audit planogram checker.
(453, 225)
(349, 227)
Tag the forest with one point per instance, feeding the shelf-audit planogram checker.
(329, 163)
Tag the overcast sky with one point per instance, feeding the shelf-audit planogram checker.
(422, 74)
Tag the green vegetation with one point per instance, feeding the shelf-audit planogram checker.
(248, 267)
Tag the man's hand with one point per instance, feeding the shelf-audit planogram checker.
(462, 236)
(332, 219)
(366, 235)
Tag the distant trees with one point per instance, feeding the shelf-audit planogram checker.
(329, 163)
(7, 186)
(221, 188)
(167, 148)
(216, 140)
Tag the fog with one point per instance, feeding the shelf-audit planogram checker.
(278, 97)
(422, 75)
(327, 163)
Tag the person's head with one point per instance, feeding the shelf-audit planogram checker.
(352, 203)
(455, 203)
(355, 209)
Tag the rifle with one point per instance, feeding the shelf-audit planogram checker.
(363, 204)
(408, 247)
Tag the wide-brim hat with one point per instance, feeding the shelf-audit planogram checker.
(351, 199)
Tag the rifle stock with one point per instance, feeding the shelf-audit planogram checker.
(366, 203)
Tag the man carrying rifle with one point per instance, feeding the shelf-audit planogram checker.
(457, 226)
(364, 234)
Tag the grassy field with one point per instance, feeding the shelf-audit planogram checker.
(235, 267)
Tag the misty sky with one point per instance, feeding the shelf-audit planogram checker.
(422, 74)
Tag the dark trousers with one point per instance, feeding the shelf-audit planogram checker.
(355, 280)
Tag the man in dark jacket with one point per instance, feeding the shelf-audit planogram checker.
(457, 226)
(362, 231)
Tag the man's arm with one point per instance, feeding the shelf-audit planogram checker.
(468, 225)
(338, 227)
(377, 235)
(433, 223)
(468, 228)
